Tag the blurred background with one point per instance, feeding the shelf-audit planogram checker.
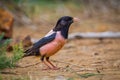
(41, 15)
(22, 20)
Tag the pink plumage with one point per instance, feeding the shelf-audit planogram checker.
(54, 46)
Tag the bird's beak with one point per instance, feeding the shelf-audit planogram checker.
(76, 19)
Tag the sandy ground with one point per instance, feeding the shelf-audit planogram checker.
(100, 59)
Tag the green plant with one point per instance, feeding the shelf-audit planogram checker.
(17, 54)
(71, 78)
(86, 75)
(4, 61)
(9, 62)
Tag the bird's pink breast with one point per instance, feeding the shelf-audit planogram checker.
(54, 46)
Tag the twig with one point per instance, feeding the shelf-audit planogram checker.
(29, 65)
(66, 63)
(93, 35)
(3, 72)
(72, 65)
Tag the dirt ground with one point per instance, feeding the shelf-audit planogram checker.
(79, 57)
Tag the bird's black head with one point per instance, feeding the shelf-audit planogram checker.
(63, 25)
(63, 22)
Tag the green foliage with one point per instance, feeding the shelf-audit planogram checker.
(4, 61)
(86, 75)
(70, 78)
(9, 62)
(17, 54)
(3, 44)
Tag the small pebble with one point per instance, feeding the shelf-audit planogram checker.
(96, 53)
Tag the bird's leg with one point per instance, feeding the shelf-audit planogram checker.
(47, 59)
(42, 59)
(54, 67)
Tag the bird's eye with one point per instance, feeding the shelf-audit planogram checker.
(63, 22)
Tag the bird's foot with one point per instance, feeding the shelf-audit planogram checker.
(46, 68)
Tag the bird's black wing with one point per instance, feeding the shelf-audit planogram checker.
(35, 48)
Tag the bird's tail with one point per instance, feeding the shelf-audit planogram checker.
(31, 52)
(28, 52)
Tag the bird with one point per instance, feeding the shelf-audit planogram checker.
(52, 42)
